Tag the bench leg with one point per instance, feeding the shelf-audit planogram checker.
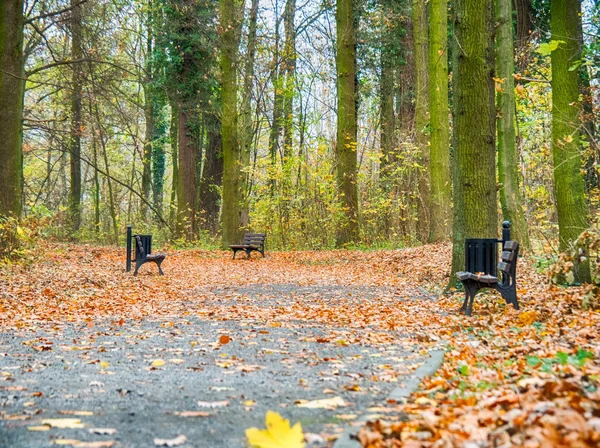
(160, 271)
(234, 253)
(138, 264)
(510, 296)
(248, 252)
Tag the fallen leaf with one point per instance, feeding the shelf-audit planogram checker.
(179, 440)
(325, 403)
(224, 339)
(158, 363)
(192, 414)
(39, 428)
(278, 434)
(63, 423)
(213, 404)
(79, 413)
(102, 431)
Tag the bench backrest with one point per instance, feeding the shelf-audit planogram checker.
(508, 260)
(143, 247)
(481, 255)
(254, 239)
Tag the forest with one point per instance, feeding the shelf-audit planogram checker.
(370, 140)
(356, 123)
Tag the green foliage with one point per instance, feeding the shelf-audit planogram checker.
(546, 48)
(20, 240)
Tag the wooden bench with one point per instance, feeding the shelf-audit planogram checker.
(143, 252)
(251, 242)
(481, 269)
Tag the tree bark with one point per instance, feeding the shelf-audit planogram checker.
(386, 113)
(289, 59)
(12, 84)
(346, 121)
(232, 176)
(419, 15)
(174, 138)
(474, 121)
(76, 120)
(186, 179)
(212, 177)
(566, 149)
(439, 156)
(508, 161)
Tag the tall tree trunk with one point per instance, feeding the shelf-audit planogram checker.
(508, 161)
(524, 14)
(386, 114)
(186, 178)
(147, 154)
(277, 80)
(76, 121)
(232, 176)
(346, 121)
(419, 15)
(289, 60)
(158, 152)
(247, 125)
(212, 177)
(12, 84)
(474, 121)
(174, 138)
(566, 150)
(439, 155)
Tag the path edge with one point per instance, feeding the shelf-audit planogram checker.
(399, 394)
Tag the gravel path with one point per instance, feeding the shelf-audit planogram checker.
(105, 368)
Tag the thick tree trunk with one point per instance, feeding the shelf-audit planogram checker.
(439, 155)
(524, 15)
(346, 121)
(12, 84)
(474, 121)
(508, 161)
(419, 15)
(212, 177)
(76, 120)
(232, 176)
(566, 150)
(289, 59)
(186, 178)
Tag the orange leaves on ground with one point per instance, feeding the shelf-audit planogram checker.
(224, 339)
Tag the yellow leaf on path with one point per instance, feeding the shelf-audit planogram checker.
(104, 364)
(249, 403)
(63, 423)
(177, 361)
(278, 434)
(39, 428)
(325, 403)
(158, 363)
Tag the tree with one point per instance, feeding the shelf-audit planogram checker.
(346, 121)
(508, 162)
(439, 153)
(474, 127)
(232, 174)
(289, 60)
(419, 16)
(12, 84)
(566, 149)
(76, 25)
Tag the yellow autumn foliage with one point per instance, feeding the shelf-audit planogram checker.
(278, 434)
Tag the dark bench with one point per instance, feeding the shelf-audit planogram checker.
(251, 242)
(481, 270)
(143, 252)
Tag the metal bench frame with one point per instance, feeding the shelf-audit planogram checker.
(143, 252)
(251, 242)
(481, 270)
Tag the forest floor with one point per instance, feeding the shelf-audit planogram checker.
(92, 357)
